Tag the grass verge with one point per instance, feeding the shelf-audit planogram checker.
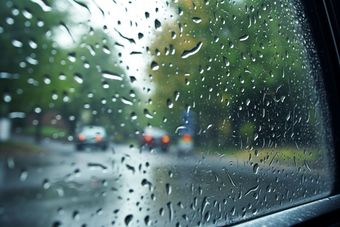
(16, 148)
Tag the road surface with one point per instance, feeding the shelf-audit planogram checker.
(126, 186)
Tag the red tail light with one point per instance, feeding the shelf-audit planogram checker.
(165, 139)
(187, 137)
(98, 138)
(81, 137)
(148, 138)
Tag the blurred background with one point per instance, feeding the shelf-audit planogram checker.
(213, 100)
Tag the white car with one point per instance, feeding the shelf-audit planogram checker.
(92, 136)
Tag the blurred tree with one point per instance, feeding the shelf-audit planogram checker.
(235, 64)
(45, 66)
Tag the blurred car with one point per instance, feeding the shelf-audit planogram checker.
(155, 137)
(185, 142)
(92, 136)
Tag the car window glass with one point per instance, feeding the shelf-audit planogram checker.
(202, 112)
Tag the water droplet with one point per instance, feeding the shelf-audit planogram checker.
(133, 116)
(169, 204)
(154, 65)
(146, 182)
(23, 175)
(230, 179)
(47, 79)
(169, 103)
(197, 20)
(207, 216)
(31, 60)
(231, 45)
(135, 52)
(260, 54)
(128, 219)
(99, 211)
(147, 220)
(57, 224)
(46, 184)
(111, 75)
(32, 44)
(173, 35)
(176, 94)
(60, 191)
(9, 20)
(256, 168)
(105, 85)
(172, 49)
(306, 164)
(61, 211)
(10, 163)
(272, 161)
(130, 168)
(161, 212)
(147, 114)
(248, 102)
(44, 6)
(252, 190)
(133, 79)
(168, 189)
(17, 43)
(126, 101)
(86, 65)
(158, 25)
(187, 53)
(72, 57)
(226, 61)
(95, 166)
(241, 79)
(76, 215)
(244, 37)
(126, 38)
(106, 50)
(77, 77)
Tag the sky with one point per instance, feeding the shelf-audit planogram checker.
(123, 18)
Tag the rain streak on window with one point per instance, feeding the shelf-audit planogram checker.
(166, 113)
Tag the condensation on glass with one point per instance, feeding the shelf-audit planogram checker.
(158, 113)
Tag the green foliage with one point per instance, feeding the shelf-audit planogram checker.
(247, 131)
(47, 131)
(45, 65)
(252, 67)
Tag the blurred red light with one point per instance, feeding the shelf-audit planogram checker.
(98, 138)
(187, 137)
(147, 138)
(81, 137)
(165, 139)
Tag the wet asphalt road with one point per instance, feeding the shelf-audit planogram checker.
(125, 186)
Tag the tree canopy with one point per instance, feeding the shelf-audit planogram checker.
(242, 69)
